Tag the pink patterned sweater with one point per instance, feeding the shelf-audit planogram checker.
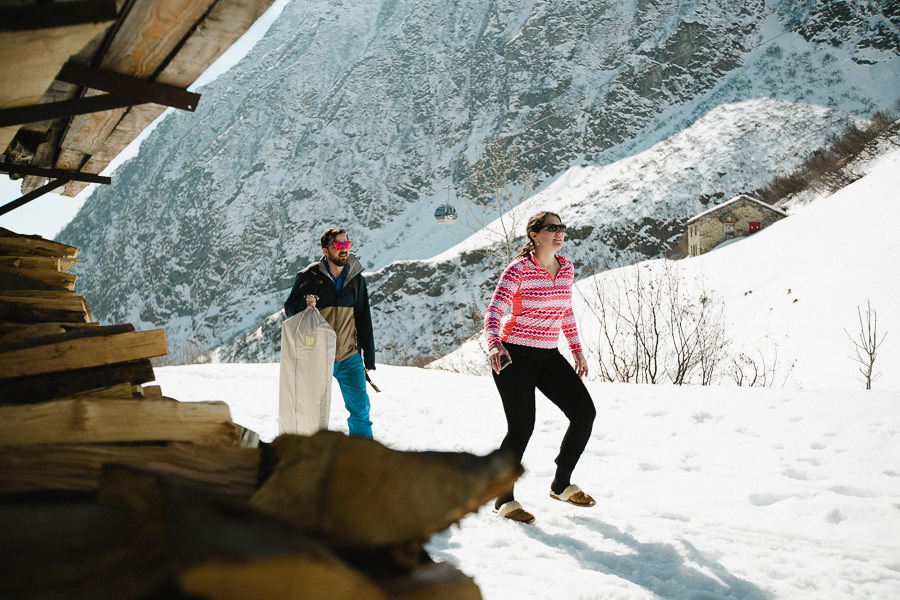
(541, 307)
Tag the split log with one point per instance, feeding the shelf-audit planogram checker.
(438, 581)
(47, 386)
(30, 309)
(231, 472)
(101, 420)
(15, 278)
(79, 353)
(351, 491)
(44, 263)
(37, 334)
(78, 551)
(33, 245)
(20, 332)
(152, 536)
(226, 550)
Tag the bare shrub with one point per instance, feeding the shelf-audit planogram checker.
(831, 168)
(652, 330)
(760, 368)
(866, 343)
(188, 353)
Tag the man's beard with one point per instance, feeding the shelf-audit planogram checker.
(339, 260)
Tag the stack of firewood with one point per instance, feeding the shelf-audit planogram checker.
(108, 489)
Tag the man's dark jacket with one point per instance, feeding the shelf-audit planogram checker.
(346, 311)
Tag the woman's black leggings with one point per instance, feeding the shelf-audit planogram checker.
(548, 371)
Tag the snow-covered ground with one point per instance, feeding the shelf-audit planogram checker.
(704, 493)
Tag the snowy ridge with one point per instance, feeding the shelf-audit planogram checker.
(790, 293)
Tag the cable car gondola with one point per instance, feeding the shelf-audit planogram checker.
(445, 213)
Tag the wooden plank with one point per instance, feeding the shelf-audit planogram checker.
(148, 34)
(32, 58)
(101, 420)
(47, 386)
(82, 353)
(231, 472)
(223, 25)
(33, 245)
(329, 486)
(38, 262)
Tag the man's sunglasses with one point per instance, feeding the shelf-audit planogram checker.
(553, 227)
(342, 245)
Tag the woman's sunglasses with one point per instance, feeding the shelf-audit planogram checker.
(553, 227)
(342, 245)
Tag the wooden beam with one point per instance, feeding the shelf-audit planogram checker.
(101, 420)
(143, 43)
(43, 15)
(128, 87)
(22, 201)
(65, 108)
(53, 173)
(31, 59)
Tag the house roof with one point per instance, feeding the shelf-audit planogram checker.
(81, 79)
(727, 203)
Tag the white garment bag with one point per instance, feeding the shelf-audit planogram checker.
(307, 363)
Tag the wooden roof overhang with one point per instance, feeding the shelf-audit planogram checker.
(81, 79)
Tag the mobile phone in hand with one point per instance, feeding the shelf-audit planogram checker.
(504, 361)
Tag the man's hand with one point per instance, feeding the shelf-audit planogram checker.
(311, 300)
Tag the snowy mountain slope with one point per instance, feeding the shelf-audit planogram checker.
(360, 113)
(617, 214)
(790, 293)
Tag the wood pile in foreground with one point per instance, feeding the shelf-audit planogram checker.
(109, 489)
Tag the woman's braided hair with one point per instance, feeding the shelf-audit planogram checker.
(535, 224)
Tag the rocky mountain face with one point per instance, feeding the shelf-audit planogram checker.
(630, 117)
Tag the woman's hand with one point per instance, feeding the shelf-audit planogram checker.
(494, 357)
(581, 366)
(311, 300)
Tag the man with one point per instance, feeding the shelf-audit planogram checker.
(335, 286)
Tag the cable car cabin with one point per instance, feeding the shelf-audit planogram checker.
(445, 213)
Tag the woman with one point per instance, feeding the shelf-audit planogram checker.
(538, 287)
